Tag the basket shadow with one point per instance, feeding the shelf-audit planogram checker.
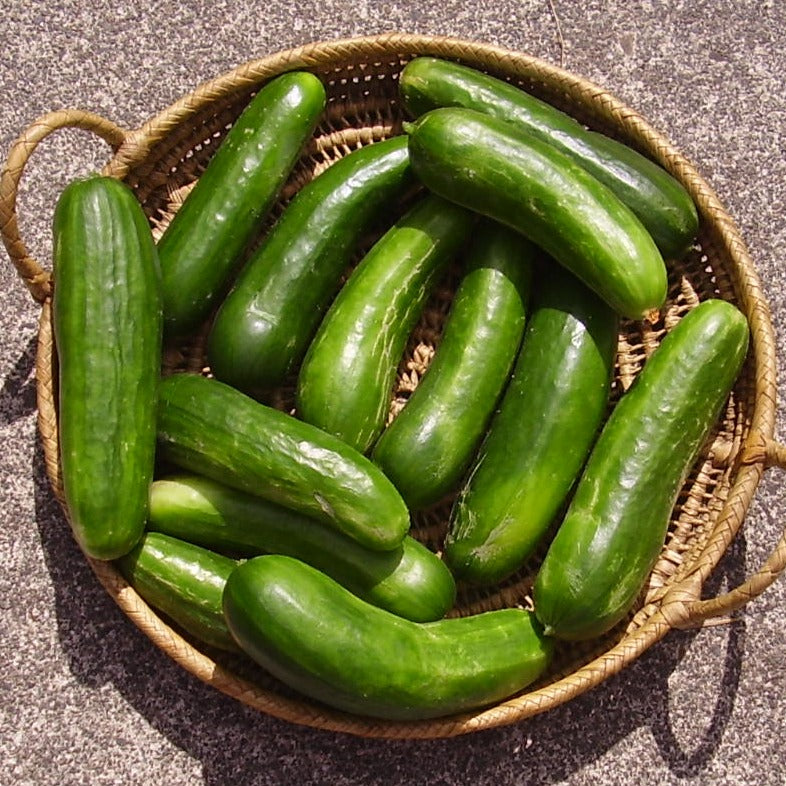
(18, 394)
(236, 744)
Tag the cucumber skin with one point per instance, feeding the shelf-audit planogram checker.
(264, 326)
(209, 428)
(410, 581)
(617, 522)
(429, 445)
(106, 316)
(659, 200)
(185, 582)
(485, 165)
(203, 244)
(541, 434)
(347, 376)
(321, 640)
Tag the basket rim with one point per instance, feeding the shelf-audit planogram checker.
(675, 607)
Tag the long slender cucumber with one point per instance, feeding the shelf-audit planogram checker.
(617, 522)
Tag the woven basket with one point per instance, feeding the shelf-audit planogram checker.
(163, 157)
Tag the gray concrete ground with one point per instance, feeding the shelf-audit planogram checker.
(86, 699)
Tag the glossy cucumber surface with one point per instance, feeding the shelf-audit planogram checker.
(106, 316)
(346, 380)
(323, 641)
(659, 200)
(429, 445)
(541, 434)
(410, 580)
(185, 582)
(264, 326)
(618, 519)
(484, 164)
(211, 429)
(201, 248)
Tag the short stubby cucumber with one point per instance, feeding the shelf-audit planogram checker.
(202, 246)
(486, 165)
(659, 200)
(346, 380)
(429, 445)
(410, 580)
(323, 641)
(106, 317)
(617, 522)
(541, 434)
(184, 581)
(209, 428)
(264, 326)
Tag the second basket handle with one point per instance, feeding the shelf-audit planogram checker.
(30, 271)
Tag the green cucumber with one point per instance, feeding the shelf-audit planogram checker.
(185, 582)
(203, 244)
(617, 522)
(323, 641)
(659, 200)
(410, 581)
(208, 427)
(429, 445)
(346, 379)
(486, 165)
(264, 326)
(106, 316)
(541, 434)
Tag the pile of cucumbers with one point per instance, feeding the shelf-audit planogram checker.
(285, 535)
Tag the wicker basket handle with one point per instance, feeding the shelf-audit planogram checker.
(694, 613)
(34, 276)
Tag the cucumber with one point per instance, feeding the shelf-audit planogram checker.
(410, 581)
(541, 434)
(209, 428)
(202, 246)
(264, 326)
(346, 379)
(429, 445)
(617, 522)
(659, 200)
(321, 640)
(486, 165)
(106, 316)
(185, 582)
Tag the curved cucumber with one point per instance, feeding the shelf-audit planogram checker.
(209, 428)
(429, 445)
(202, 246)
(185, 582)
(346, 379)
(321, 640)
(106, 316)
(616, 524)
(485, 164)
(541, 434)
(264, 326)
(659, 200)
(410, 581)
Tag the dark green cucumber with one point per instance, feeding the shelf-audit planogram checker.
(202, 246)
(410, 581)
(485, 164)
(209, 428)
(185, 582)
(320, 639)
(541, 434)
(106, 316)
(429, 445)
(347, 376)
(659, 200)
(263, 328)
(617, 522)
